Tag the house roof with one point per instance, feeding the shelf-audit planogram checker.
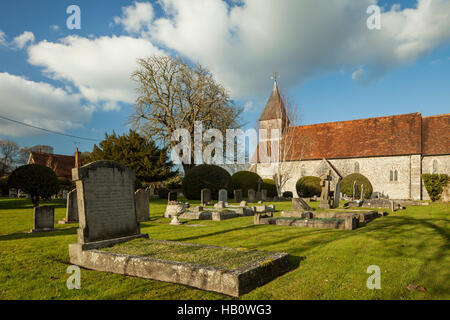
(436, 134)
(61, 164)
(274, 107)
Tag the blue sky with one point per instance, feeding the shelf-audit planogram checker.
(55, 83)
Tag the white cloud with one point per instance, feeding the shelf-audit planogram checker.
(3, 38)
(100, 68)
(243, 43)
(54, 27)
(136, 17)
(39, 104)
(21, 41)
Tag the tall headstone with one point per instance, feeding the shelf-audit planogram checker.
(71, 208)
(362, 192)
(264, 195)
(325, 180)
(355, 190)
(106, 208)
(337, 194)
(44, 219)
(223, 195)
(237, 195)
(142, 203)
(172, 196)
(205, 196)
(251, 196)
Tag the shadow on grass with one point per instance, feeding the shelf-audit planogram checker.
(26, 235)
(14, 203)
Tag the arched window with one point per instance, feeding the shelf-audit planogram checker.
(395, 175)
(391, 175)
(435, 166)
(356, 169)
(303, 171)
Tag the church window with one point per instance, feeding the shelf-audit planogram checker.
(435, 166)
(391, 175)
(395, 175)
(303, 171)
(356, 169)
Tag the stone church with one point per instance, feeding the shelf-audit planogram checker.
(392, 152)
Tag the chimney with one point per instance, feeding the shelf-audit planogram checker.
(40, 150)
(77, 159)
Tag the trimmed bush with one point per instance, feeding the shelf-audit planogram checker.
(347, 185)
(206, 176)
(137, 184)
(434, 184)
(64, 182)
(36, 180)
(308, 186)
(269, 185)
(163, 193)
(246, 180)
(4, 185)
(288, 194)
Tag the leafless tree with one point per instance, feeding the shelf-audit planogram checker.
(8, 155)
(174, 95)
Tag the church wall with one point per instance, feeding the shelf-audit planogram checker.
(443, 167)
(376, 169)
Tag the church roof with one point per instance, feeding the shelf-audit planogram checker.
(274, 107)
(382, 136)
(436, 134)
(61, 164)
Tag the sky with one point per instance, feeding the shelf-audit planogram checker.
(330, 64)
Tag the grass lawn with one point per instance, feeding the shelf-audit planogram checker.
(410, 246)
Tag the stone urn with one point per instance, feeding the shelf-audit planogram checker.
(174, 210)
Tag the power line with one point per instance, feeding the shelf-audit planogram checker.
(47, 130)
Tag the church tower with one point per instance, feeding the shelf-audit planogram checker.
(274, 116)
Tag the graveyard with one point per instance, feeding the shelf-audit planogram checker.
(410, 246)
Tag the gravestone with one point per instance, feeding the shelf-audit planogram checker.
(220, 205)
(299, 204)
(264, 195)
(243, 204)
(223, 195)
(44, 219)
(13, 193)
(251, 196)
(142, 203)
(337, 194)
(106, 208)
(172, 196)
(237, 195)
(71, 208)
(325, 180)
(205, 196)
(362, 192)
(355, 190)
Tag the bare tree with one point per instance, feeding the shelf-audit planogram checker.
(8, 154)
(174, 95)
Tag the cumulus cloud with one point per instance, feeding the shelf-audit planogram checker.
(244, 42)
(40, 104)
(25, 38)
(3, 38)
(136, 17)
(99, 68)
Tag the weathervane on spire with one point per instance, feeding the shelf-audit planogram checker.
(275, 76)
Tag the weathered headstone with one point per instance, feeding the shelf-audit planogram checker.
(13, 193)
(106, 208)
(264, 195)
(44, 219)
(71, 208)
(251, 196)
(205, 196)
(362, 192)
(223, 195)
(142, 203)
(237, 195)
(325, 202)
(299, 204)
(243, 204)
(220, 205)
(355, 190)
(172, 196)
(337, 194)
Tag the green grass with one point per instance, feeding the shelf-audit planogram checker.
(207, 256)
(410, 246)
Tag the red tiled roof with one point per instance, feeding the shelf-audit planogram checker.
(62, 165)
(436, 134)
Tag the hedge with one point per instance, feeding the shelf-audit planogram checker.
(269, 185)
(347, 185)
(206, 176)
(245, 180)
(308, 186)
(434, 184)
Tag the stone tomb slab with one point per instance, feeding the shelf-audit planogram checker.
(254, 270)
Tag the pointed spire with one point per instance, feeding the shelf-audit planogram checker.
(274, 107)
